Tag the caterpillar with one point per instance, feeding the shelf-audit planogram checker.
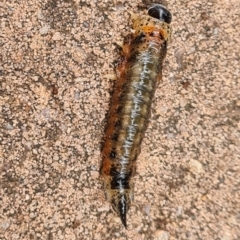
(138, 73)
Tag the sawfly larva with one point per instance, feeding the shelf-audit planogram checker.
(138, 73)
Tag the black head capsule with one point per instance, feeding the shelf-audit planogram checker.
(160, 12)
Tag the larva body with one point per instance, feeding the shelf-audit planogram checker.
(138, 74)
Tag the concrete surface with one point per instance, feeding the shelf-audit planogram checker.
(56, 72)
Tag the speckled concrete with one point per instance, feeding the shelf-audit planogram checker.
(56, 72)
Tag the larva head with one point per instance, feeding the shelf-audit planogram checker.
(158, 11)
(159, 21)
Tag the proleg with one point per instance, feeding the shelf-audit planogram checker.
(138, 74)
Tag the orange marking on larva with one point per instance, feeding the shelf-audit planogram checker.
(150, 29)
(138, 74)
(106, 167)
(121, 68)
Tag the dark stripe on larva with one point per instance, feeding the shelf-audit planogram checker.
(138, 75)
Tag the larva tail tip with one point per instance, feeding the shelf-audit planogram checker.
(123, 213)
(160, 12)
(121, 205)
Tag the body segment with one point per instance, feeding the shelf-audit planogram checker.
(138, 74)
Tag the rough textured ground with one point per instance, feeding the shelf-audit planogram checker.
(56, 72)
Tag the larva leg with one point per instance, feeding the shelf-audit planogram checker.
(111, 75)
(159, 77)
(127, 44)
(121, 63)
(120, 67)
(122, 45)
